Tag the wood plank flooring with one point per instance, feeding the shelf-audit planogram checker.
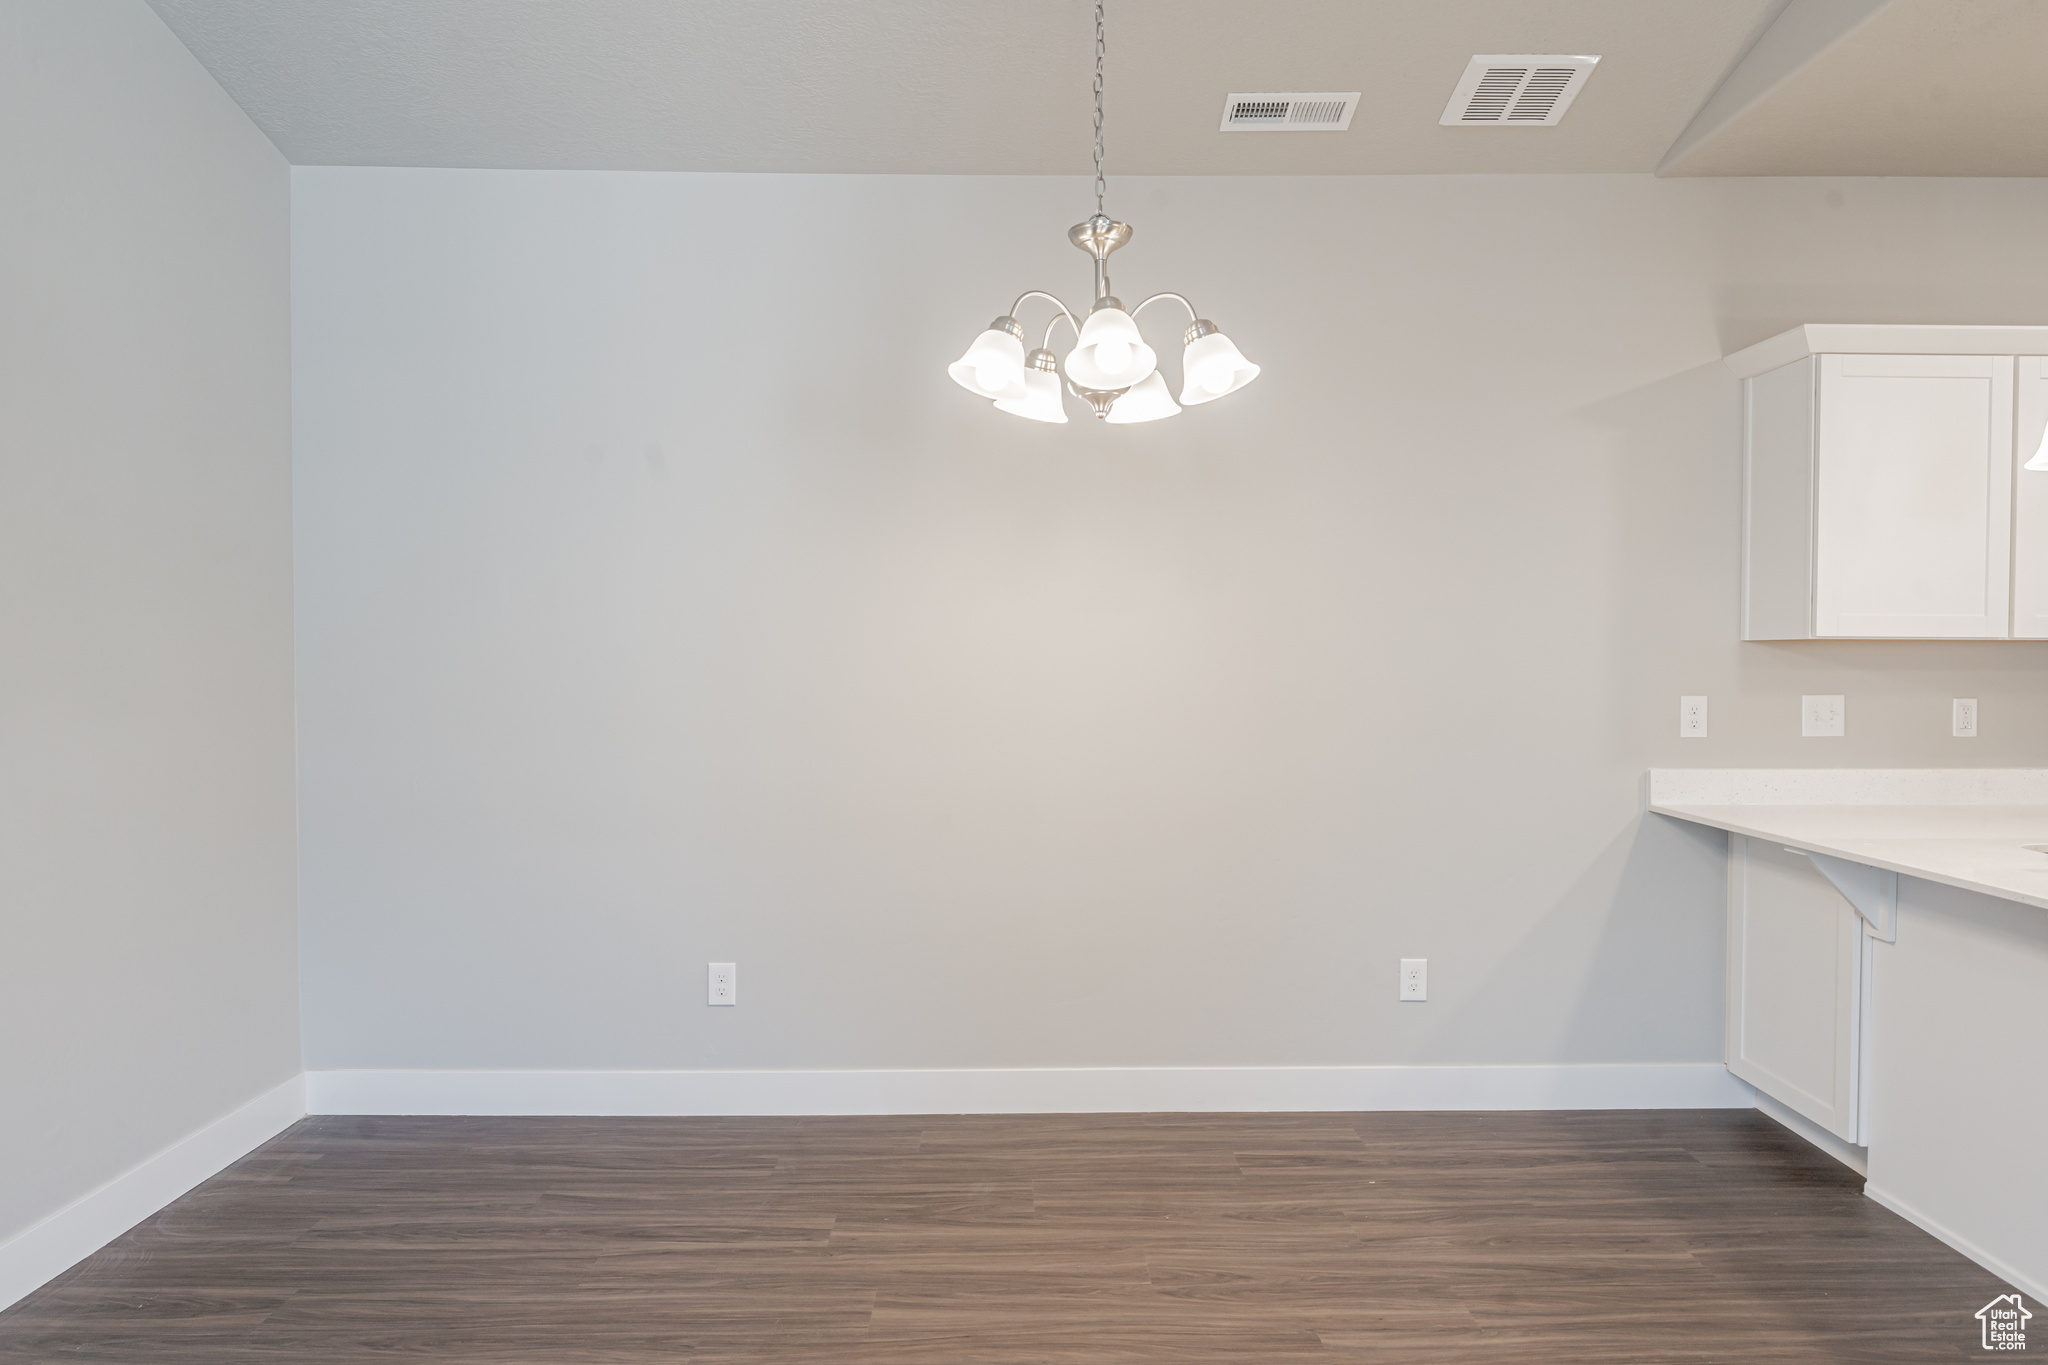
(1070, 1240)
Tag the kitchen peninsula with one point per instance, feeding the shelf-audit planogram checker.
(1888, 981)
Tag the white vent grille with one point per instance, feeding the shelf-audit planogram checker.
(1323, 112)
(1517, 90)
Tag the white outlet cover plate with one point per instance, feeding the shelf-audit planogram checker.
(1822, 717)
(1964, 718)
(1415, 978)
(1692, 717)
(724, 987)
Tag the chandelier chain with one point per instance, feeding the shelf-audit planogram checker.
(1099, 47)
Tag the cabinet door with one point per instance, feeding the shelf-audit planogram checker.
(1913, 496)
(1795, 984)
(2030, 506)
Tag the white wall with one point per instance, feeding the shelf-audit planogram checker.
(148, 944)
(660, 601)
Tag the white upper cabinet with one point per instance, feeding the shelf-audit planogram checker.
(1913, 486)
(1883, 494)
(2030, 506)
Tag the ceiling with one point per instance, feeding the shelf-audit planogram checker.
(1883, 87)
(974, 87)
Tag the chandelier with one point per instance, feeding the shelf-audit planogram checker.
(1110, 368)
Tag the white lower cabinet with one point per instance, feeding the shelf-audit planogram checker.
(1798, 986)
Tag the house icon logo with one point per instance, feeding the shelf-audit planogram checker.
(2005, 1323)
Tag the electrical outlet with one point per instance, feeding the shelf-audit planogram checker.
(1692, 717)
(1822, 717)
(1415, 978)
(725, 984)
(1965, 719)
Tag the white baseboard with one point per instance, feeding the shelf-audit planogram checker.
(2032, 1286)
(1075, 1090)
(45, 1250)
(1849, 1154)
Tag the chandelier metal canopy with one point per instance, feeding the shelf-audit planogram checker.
(1110, 368)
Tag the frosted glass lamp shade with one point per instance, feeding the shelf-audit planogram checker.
(1146, 402)
(2039, 464)
(1041, 401)
(994, 365)
(1211, 366)
(1111, 354)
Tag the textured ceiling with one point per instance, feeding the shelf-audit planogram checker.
(954, 86)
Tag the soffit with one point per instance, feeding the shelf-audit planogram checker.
(1913, 87)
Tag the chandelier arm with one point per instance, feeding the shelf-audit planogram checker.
(1046, 343)
(1054, 300)
(1168, 294)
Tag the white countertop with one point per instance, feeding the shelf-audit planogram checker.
(1962, 827)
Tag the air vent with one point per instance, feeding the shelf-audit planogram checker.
(1290, 113)
(1517, 91)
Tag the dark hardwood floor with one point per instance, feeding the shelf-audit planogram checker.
(1082, 1240)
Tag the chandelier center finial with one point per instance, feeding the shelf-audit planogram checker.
(1099, 236)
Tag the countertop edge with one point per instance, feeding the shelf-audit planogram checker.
(1715, 818)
